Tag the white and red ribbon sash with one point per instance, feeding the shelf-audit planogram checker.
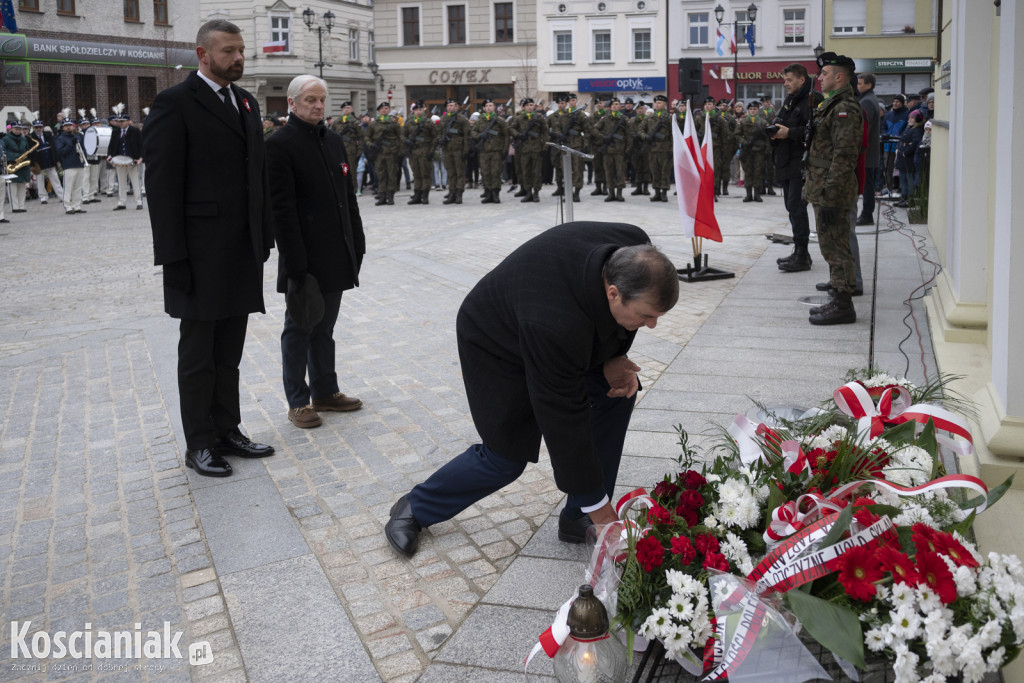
(950, 481)
(554, 636)
(745, 434)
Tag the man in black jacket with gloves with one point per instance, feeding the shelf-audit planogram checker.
(542, 341)
(793, 119)
(320, 234)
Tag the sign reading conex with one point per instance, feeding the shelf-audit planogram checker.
(626, 83)
(446, 76)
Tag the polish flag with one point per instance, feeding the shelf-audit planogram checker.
(695, 180)
(275, 46)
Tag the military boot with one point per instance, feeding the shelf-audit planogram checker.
(771, 189)
(415, 198)
(576, 195)
(382, 199)
(560, 192)
(528, 197)
(458, 196)
(656, 197)
(535, 195)
(425, 197)
(839, 311)
(496, 195)
(783, 259)
(664, 195)
(523, 192)
(449, 198)
(757, 195)
(597, 190)
(391, 198)
(800, 261)
(618, 195)
(725, 188)
(647, 189)
(638, 191)
(750, 194)
(611, 195)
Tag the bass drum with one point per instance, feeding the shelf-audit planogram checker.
(97, 140)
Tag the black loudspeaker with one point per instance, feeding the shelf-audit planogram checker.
(691, 76)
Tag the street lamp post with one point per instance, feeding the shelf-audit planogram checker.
(309, 17)
(751, 15)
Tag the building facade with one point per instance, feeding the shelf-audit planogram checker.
(468, 50)
(784, 32)
(280, 46)
(606, 47)
(85, 55)
(897, 40)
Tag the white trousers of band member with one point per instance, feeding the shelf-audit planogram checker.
(124, 174)
(110, 175)
(92, 182)
(50, 173)
(3, 199)
(74, 183)
(17, 195)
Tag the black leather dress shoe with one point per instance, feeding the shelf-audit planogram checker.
(402, 530)
(239, 444)
(207, 462)
(573, 530)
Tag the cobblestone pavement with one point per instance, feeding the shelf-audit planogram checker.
(282, 568)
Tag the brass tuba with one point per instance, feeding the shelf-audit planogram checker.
(22, 161)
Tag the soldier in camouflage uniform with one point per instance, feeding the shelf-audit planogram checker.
(490, 139)
(568, 127)
(529, 130)
(837, 131)
(641, 160)
(698, 119)
(420, 140)
(595, 148)
(718, 133)
(768, 114)
(453, 139)
(384, 145)
(728, 146)
(657, 133)
(558, 122)
(352, 134)
(611, 135)
(753, 145)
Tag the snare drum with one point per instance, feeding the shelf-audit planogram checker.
(122, 160)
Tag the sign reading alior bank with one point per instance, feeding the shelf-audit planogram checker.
(17, 46)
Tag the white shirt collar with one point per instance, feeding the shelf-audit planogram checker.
(216, 87)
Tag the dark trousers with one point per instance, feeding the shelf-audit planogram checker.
(479, 471)
(793, 195)
(868, 206)
(311, 350)
(209, 352)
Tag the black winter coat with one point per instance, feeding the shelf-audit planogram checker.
(67, 150)
(209, 203)
(873, 116)
(796, 113)
(316, 217)
(130, 145)
(528, 332)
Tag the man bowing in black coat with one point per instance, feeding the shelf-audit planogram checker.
(210, 214)
(321, 245)
(542, 342)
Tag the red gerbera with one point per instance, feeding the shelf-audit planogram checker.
(953, 549)
(866, 517)
(716, 561)
(658, 515)
(649, 553)
(858, 572)
(898, 564)
(688, 514)
(932, 570)
(924, 537)
(693, 480)
(682, 547)
(665, 490)
(692, 499)
(706, 543)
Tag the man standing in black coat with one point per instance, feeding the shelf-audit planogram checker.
(542, 342)
(319, 234)
(873, 115)
(210, 213)
(795, 116)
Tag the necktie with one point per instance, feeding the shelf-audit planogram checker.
(226, 94)
(124, 143)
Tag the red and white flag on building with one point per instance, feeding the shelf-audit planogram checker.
(695, 179)
(275, 46)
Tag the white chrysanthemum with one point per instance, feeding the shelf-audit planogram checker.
(825, 439)
(971, 661)
(1017, 619)
(675, 579)
(658, 625)
(905, 666)
(678, 640)
(710, 522)
(908, 466)
(995, 659)
(911, 514)
(883, 379)
(906, 623)
(875, 640)
(903, 595)
(964, 579)
(928, 599)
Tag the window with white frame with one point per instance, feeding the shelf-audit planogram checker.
(562, 44)
(280, 30)
(602, 45)
(353, 45)
(641, 45)
(698, 23)
(794, 26)
(848, 16)
(371, 47)
(410, 25)
(456, 24)
(742, 24)
(898, 16)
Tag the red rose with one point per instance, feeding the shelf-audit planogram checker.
(688, 514)
(716, 561)
(649, 553)
(693, 480)
(665, 490)
(706, 543)
(658, 515)
(692, 499)
(682, 547)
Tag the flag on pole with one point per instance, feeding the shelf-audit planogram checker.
(695, 191)
(719, 42)
(7, 19)
(275, 46)
(749, 37)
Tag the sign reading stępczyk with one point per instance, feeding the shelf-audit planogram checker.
(895, 65)
(53, 50)
(626, 83)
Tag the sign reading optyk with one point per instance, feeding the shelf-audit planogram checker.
(626, 83)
